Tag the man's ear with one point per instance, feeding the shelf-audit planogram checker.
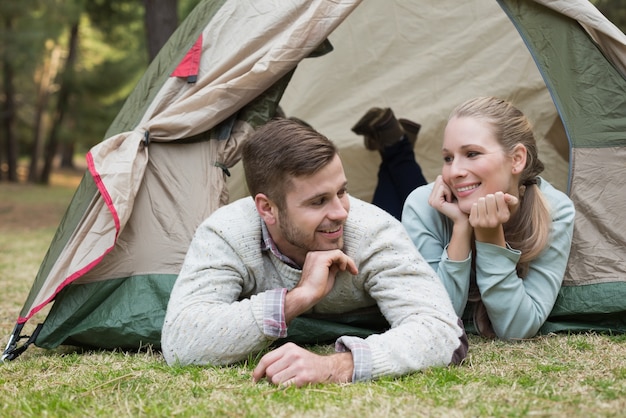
(519, 158)
(266, 208)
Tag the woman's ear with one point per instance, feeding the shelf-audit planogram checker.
(519, 158)
(266, 208)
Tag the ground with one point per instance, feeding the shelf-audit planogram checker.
(41, 206)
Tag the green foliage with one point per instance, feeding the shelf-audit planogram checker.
(109, 67)
(110, 17)
(22, 41)
(111, 57)
(22, 45)
(185, 7)
(614, 10)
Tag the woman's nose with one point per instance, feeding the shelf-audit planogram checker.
(456, 168)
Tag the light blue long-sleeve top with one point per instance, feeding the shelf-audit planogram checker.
(517, 308)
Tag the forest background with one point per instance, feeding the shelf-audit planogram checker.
(68, 65)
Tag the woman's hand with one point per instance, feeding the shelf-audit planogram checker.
(442, 199)
(489, 213)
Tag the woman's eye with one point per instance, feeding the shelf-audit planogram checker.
(447, 159)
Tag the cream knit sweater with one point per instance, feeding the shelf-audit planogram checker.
(218, 305)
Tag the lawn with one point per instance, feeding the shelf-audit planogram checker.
(577, 375)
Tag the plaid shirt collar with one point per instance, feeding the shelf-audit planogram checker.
(267, 243)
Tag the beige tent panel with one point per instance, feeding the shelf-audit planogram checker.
(174, 172)
(421, 62)
(596, 261)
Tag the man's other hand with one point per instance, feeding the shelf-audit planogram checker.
(290, 364)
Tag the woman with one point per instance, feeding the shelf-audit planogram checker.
(497, 234)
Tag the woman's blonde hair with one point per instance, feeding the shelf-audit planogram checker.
(529, 228)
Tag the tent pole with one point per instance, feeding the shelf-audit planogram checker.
(12, 351)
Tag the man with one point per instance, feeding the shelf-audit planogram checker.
(301, 246)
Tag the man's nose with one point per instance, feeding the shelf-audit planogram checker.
(337, 209)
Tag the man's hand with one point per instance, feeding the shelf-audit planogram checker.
(318, 278)
(290, 364)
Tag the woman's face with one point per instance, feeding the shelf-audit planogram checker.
(475, 163)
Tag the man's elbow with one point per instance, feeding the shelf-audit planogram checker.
(186, 350)
(180, 355)
(460, 352)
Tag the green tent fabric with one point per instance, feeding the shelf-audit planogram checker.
(592, 106)
(171, 156)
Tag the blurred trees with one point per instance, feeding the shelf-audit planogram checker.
(67, 66)
(161, 19)
(614, 10)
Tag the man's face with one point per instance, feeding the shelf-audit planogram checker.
(315, 212)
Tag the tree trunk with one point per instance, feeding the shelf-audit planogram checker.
(8, 120)
(67, 155)
(161, 20)
(64, 94)
(48, 74)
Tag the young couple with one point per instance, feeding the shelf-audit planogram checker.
(488, 233)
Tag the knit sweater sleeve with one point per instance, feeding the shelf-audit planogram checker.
(207, 320)
(425, 331)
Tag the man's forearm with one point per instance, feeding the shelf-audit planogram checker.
(296, 303)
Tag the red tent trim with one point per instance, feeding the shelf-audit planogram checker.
(190, 65)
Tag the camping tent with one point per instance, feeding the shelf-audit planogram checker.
(170, 157)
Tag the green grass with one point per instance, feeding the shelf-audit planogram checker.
(578, 375)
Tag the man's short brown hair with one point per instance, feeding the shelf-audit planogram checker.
(280, 150)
